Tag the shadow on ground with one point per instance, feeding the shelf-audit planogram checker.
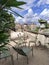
(40, 57)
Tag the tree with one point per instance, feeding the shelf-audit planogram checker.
(41, 21)
(7, 20)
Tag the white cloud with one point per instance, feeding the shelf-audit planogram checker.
(48, 21)
(25, 20)
(29, 17)
(18, 19)
(30, 11)
(29, 3)
(39, 2)
(47, 1)
(34, 17)
(42, 2)
(45, 12)
(29, 14)
(35, 14)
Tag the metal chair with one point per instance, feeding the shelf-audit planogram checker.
(5, 54)
(22, 49)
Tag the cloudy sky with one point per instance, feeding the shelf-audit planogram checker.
(33, 10)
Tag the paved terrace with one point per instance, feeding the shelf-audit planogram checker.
(40, 57)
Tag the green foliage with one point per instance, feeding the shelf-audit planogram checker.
(11, 3)
(41, 21)
(6, 23)
(7, 4)
(7, 20)
(48, 25)
(37, 29)
(4, 39)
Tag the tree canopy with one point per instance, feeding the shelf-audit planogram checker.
(7, 20)
(42, 21)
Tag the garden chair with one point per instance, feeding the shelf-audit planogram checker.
(22, 49)
(33, 40)
(5, 54)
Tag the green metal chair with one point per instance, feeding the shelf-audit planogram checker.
(5, 54)
(22, 49)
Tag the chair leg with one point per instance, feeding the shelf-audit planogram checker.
(27, 60)
(17, 56)
(12, 60)
(32, 51)
(5, 58)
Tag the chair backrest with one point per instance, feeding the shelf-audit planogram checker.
(33, 40)
(19, 50)
(4, 54)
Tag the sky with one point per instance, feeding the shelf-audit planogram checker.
(32, 11)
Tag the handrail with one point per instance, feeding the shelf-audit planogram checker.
(41, 33)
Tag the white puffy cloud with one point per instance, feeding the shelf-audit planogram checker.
(45, 14)
(29, 3)
(48, 21)
(29, 13)
(34, 17)
(29, 17)
(42, 2)
(18, 19)
(47, 1)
